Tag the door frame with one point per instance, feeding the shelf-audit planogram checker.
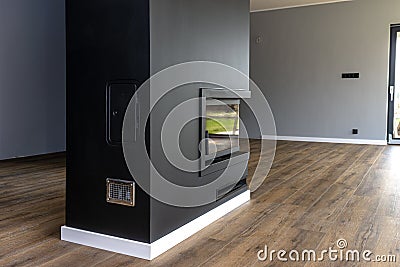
(394, 29)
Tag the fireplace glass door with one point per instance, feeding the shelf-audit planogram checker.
(221, 127)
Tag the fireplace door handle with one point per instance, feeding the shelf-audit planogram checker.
(391, 89)
(137, 117)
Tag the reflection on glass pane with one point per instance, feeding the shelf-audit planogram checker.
(223, 119)
(396, 122)
(222, 126)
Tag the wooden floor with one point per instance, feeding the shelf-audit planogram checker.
(314, 195)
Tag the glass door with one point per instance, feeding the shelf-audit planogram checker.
(222, 127)
(394, 87)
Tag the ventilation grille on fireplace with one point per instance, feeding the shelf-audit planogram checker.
(121, 192)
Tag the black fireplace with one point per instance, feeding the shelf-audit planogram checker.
(113, 48)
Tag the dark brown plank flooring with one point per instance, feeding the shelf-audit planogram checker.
(315, 194)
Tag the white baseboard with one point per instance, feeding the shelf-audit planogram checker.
(327, 140)
(151, 251)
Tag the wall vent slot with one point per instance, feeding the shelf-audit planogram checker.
(121, 192)
(224, 191)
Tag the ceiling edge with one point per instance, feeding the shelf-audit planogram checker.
(303, 5)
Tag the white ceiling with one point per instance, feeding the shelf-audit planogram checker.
(261, 5)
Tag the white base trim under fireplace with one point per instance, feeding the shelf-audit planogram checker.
(153, 250)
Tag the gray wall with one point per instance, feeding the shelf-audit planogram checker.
(299, 62)
(32, 77)
(202, 35)
(184, 31)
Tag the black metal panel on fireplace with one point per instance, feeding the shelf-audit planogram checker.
(108, 56)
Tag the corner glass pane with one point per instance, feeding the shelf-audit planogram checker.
(396, 116)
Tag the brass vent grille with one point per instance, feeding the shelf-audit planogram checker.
(120, 192)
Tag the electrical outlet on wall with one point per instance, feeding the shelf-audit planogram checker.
(355, 131)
